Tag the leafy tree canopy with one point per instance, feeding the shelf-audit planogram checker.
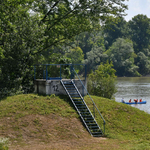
(95, 57)
(31, 27)
(143, 62)
(76, 55)
(63, 19)
(115, 30)
(121, 53)
(140, 32)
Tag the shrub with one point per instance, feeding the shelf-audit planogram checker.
(102, 81)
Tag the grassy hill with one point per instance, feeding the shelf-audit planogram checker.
(50, 122)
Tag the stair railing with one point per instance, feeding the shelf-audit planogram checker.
(94, 105)
(75, 105)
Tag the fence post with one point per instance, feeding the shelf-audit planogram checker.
(46, 73)
(60, 71)
(72, 72)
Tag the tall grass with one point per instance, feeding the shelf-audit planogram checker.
(125, 123)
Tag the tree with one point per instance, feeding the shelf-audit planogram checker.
(140, 32)
(102, 81)
(121, 53)
(31, 27)
(20, 36)
(84, 41)
(95, 57)
(144, 63)
(76, 56)
(115, 30)
(65, 19)
(140, 35)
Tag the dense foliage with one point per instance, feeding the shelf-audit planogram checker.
(124, 43)
(69, 31)
(101, 82)
(34, 31)
(121, 53)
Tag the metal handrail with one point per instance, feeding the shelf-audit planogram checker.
(91, 100)
(46, 74)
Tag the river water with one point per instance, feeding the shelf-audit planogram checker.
(134, 88)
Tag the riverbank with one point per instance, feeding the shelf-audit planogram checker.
(50, 122)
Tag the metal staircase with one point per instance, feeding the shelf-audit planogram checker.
(81, 107)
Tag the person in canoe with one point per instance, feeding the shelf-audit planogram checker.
(136, 100)
(130, 101)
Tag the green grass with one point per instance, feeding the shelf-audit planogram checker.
(128, 125)
(27, 104)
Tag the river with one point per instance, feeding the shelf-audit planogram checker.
(134, 88)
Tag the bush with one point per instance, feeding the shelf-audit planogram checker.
(102, 81)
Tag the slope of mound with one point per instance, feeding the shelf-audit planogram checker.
(50, 122)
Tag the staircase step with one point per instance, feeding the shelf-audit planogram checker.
(96, 133)
(80, 105)
(72, 88)
(83, 108)
(77, 99)
(75, 96)
(73, 92)
(96, 130)
(89, 121)
(93, 127)
(99, 134)
(83, 113)
(66, 82)
(86, 116)
(68, 85)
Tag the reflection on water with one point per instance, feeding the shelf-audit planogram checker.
(134, 88)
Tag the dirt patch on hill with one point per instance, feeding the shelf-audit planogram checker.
(38, 132)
